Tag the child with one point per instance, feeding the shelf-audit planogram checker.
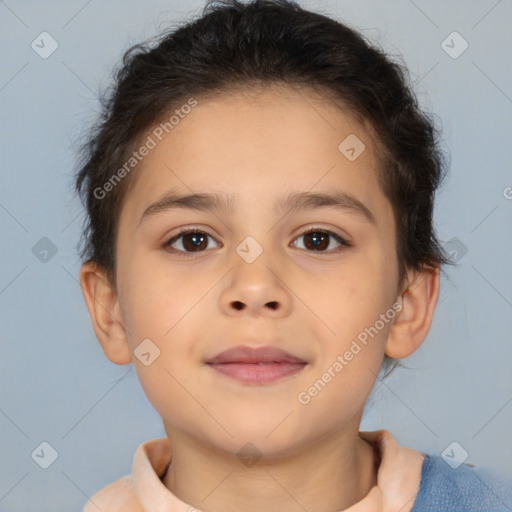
(260, 245)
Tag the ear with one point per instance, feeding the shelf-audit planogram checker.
(103, 305)
(410, 327)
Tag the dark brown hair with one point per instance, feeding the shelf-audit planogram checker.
(234, 45)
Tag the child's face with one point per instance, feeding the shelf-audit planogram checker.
(310, 304)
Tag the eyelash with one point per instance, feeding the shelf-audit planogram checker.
(344, 244)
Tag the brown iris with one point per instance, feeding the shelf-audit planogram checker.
(198, 241)
(320, 241)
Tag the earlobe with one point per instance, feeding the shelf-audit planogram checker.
(411, 326)
(103, 306)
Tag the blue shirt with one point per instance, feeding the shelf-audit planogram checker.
(464, 489)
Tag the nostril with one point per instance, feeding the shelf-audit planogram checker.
(240, 305)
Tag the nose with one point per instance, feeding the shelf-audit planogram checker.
(256, 289)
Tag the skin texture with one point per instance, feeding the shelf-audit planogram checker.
(258, 145)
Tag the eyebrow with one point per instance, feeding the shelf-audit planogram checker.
(288, 202)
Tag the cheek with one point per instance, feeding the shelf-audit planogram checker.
(349, 360)
(165, 386)
(354, 295)
(350, 307)
(158, 299)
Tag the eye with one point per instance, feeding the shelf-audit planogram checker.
(318, 240)
(192, 240)
(188, 241)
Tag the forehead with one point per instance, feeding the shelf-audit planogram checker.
(255, 143)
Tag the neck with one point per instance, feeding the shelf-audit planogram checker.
(331, 474)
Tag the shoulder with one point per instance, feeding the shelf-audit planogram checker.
(463, 488)
(142, 485)
(115, 497)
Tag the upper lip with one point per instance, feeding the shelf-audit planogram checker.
(246, 354)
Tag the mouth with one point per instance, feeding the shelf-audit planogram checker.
(259, 366)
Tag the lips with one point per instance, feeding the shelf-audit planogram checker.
(257, 366)
(245, 354)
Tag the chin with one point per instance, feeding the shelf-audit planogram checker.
(263, 442)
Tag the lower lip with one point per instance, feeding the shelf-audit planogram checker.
(253, 373)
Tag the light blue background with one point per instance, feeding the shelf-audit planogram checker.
(56, 384)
